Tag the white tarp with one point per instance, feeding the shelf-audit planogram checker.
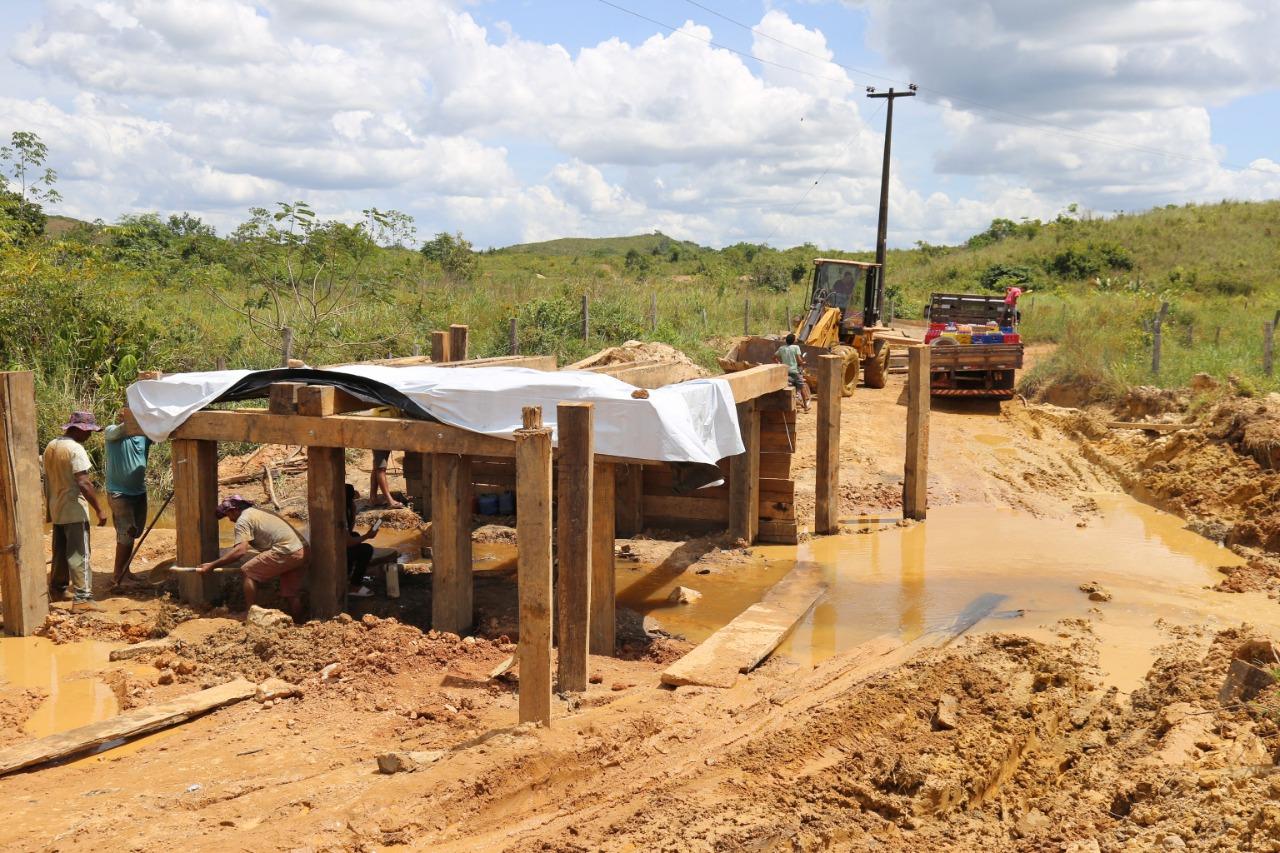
(693, 421)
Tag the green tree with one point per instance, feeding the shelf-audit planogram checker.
(21, 208)
(454, 254)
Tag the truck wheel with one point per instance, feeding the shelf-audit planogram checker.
(876, 369)
(850, 380)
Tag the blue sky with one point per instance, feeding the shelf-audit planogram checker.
(519, 120)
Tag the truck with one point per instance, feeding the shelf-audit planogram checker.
(972, 369)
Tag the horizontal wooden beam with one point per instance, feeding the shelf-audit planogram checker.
(534, 362)
(642, 374)
(756, 381)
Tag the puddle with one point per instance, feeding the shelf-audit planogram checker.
(910, 580)
(37, 663)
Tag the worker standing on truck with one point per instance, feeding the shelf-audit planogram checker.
(790, 355)
(70, 493)
(1011, 295)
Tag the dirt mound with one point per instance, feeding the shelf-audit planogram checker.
(644, 351)
(16, 707)
(365, 651)
(1144, 401)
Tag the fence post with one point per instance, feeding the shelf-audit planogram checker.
(286, 346)
(586, 317)
(513, 338)
(653, 311)
(1217, 335)
(746, 316)
(703, 309)
(1190, 334)
(1268, 341)
(220, 363)
(417, 349)
(1157, 329)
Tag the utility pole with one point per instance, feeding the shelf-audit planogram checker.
(882, 227)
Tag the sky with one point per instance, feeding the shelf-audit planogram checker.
(716, 121)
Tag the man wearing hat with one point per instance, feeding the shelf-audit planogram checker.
(281, 552)
(69, 493)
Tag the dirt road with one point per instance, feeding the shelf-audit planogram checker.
(1003, 741)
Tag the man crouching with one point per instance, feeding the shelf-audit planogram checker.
(282, 553)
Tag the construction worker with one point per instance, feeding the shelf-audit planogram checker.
(126, 471)
(359, 551)
(790, 355)
(70, 493)
(281, 552)
(379, 487)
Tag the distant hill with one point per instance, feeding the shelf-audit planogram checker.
(655, 243)
(57, 226)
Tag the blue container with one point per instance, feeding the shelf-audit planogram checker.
(488, 504)
(506, 503)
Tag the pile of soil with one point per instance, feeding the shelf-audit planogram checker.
(117, 624)
(366, 651)
(650, 351)
(16, 707)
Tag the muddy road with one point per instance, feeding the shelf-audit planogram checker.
(1072, 719)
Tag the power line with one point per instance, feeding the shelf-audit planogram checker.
(1025, 120)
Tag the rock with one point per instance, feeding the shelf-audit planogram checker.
(595, 678)
(945, 716)
(276, 688)
(468, 641)
(1030, 823)
(1085, 845)
(1096, 591)
(265, 617)
(620, 685)
(408, 762)
(683, 595)
(331, 672)
(343, 619)
(129, 652)
(369, 620)
(165, 677)
(1244, 682)
(1172, 842)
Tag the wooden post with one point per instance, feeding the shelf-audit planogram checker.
(744, 477)
(533, 543)
(1190, 335)
(417, 482)
(915, 480)
(195, 499)
(458, 342)
(586, 317)
(1217, 335)
(326, 511)
(1157, 331)
(1268, 344)
(513, 338)
(603, 583)
(573, 541)
(440, 347)
(629, 500)
(282, 397)
(826, 516)
(452, 584)
(286, 346)
(220, 363)
(653, 310)
(23, 583)
(746, 316)
(703, 311)
(417, 349)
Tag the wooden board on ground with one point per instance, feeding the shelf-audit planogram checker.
(1149, 427)
(129, 724)
(753, 634)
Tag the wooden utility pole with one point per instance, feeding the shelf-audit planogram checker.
(827, 498)
(23, 583)
(915, 477)
(573, 540)
(533, 566)
(882, 224)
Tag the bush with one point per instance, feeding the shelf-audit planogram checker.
(997, 277)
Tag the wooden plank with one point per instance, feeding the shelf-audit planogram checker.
(660, 480)
(756, 381)
(709, 509)
(130, 724)
(316, 401)
(533, 538)
(24, 586)
(260, 427)
(629, 500)
(533, 362)
(779, 532)
(417, 482)
(282, 397)
(573, 539)
(603, 581)
(777, 442)
(1149, 427)
(327, 515)
(778, 401)
(744, 477)
(452, 581)
(915, 480)
(753, 634)
(458, 342)
(195, 498)
(826, 519)
(775, 465)
(642, 374)
(440, 347)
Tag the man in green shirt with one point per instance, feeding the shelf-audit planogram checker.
(126, 493)
(790, 355)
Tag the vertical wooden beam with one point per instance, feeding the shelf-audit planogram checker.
(326, 511)
(286, 346)
(533, 542)
(440, 348)
(452, 583)
(1268, 345)
(573, 539)
(629, 500)
(282, 397)
(23, 583)
(513, 337)
(915, 480)
(458, 342)
(826, 517)
(417, 478)
(744, 477)
(603, 584)
(195, 499)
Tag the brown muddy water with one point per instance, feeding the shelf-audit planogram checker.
(909, 580)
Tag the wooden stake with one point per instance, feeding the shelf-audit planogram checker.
(586, 317)
(452, 584)
(603, 583)
(573, 539)
(326, 510)
(458, 342)
(826, 517)
(1157, 332)
(744, 477)
(533, 542)
(23, 583)
(440, 348)
(653, 311)
(286, 346)
(1268, 344)
(513, 339)
(915, 481)
(195, 498)
(220, 363)
(746, 316)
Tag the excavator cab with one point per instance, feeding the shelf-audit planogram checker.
(844, 308)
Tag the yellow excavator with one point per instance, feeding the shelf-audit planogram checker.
(846, 302)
